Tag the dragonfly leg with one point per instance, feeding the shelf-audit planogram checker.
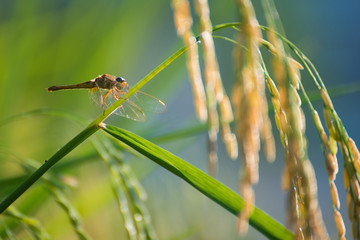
(120, 92)
(103, 98)
(115, 95)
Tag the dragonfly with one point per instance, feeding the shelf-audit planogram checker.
(105, 89)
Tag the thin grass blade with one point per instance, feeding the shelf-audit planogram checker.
(35, 228)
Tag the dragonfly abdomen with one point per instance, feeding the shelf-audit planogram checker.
(84, 85)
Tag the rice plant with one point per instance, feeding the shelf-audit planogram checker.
(102, 181)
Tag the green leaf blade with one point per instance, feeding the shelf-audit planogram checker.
(209, 186)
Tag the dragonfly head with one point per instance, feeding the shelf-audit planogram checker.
(120, 83)
(120, 79)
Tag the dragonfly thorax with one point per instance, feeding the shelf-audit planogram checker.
(107, 81)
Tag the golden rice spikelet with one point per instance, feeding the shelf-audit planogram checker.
(182, 16)
(280, 118)
(268, 45)
(183, 22)
(334, 195)
(294, 72)
(211, 71)
(356, 190)
(268, 139)
(230, 141)
(215, 92)
(310, 219)
(356, 155)
(250, 106)
(302, 123)
(319, 127)
(326, 99)
(353, 149)
(196, 80)
(285, 179)
(203, 11)
(210, 76)
(331, 165)
(339, 223)
(283, 122)
(357, 165)
(225, 109)
(277, 50)
(333, 145)
(248, 124)
(317, 121)
(330, 124)
(249, 197)
(315, 217)
(351, 185)
(298, 175)
(229, 138)
(266, 131)
(273, 89)
(324, 139)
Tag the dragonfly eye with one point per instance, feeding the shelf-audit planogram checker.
(120, 79)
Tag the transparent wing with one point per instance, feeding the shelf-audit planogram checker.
(148, 103)
(95, 96)
(102, 98)
(131, 108)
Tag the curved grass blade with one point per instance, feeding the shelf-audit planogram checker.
(201, 181)
(118, 189)
(125, 182)
(7, 232)
(35, 229)
(71, 212)
(56, 188)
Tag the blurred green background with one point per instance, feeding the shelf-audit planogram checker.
(45, 43)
